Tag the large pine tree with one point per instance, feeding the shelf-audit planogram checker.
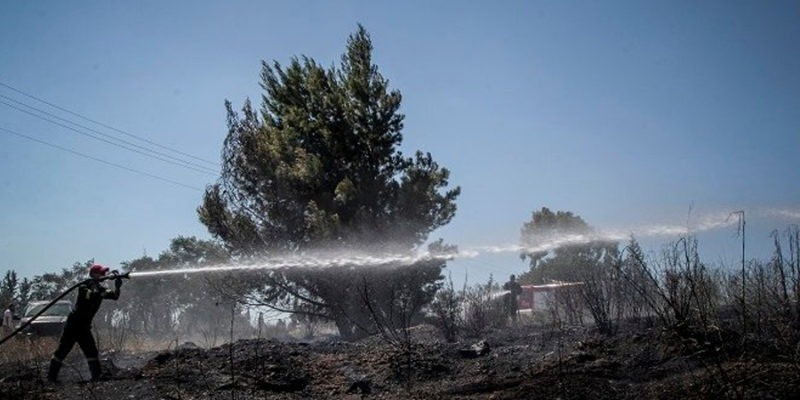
(320, 167)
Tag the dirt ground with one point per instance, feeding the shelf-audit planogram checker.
(517, 363)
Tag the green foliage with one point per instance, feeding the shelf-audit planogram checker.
(563, 262)
(321, 164)
(320, 167)
(49, 285)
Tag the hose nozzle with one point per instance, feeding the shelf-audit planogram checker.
(116, 275)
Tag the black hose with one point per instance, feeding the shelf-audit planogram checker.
(61, 296)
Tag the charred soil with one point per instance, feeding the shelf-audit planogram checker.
(512, 363)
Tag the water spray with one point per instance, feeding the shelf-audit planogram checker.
(546, 243)
(319, 262)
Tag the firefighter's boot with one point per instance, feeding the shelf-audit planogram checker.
(52, 373)
(95, 370)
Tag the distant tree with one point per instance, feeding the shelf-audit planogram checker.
(201, 309)
(318, 167)
(176, 303)
(146, 306)
(49, 285)
(8, 288)
(24, 293)
(559, 245)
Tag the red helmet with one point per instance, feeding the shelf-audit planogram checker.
(98, 269)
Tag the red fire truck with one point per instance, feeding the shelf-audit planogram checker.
(533, 297)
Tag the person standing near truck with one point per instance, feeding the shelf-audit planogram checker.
(78, 328)
(8, 320)
(512, 297)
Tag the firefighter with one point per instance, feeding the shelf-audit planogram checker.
(512, 297)
(79, 322)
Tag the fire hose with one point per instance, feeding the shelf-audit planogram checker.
(113, 275)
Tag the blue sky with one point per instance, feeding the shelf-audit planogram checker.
(626, 113)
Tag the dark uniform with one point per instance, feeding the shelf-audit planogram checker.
(79, 327)
(511, 298)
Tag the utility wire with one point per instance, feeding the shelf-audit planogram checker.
(180, 163)
(98, 132)
(100, 160)
(107, 126)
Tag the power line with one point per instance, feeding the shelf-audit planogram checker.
(98, 132)
(107, 126)
(99, 160)
(178, 162)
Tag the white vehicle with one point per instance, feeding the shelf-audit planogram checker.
(51, 322)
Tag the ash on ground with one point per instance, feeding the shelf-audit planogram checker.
(513, 363)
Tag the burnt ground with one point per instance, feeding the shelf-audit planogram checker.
(522, 362)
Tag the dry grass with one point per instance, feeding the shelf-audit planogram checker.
(25, 349)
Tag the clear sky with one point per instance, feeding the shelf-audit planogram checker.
(625, 113)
